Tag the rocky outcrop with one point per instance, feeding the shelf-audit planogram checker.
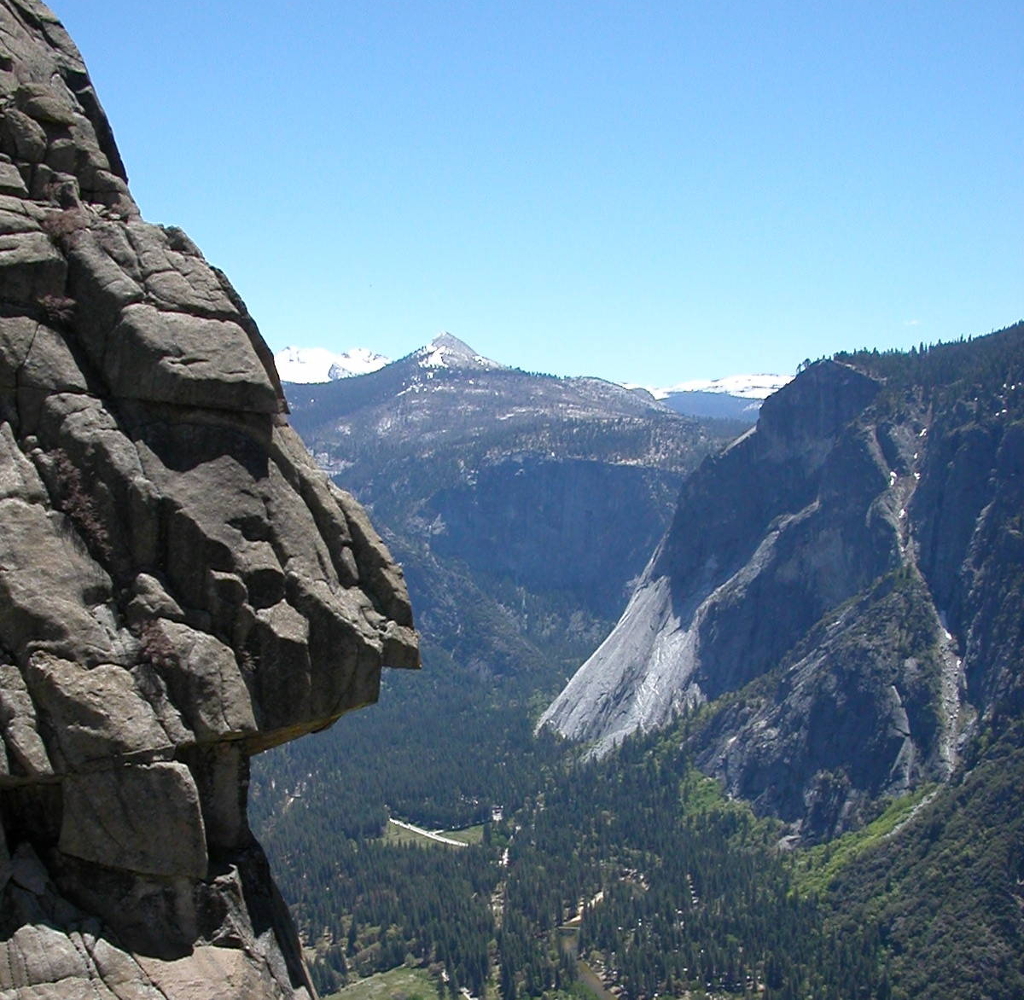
(755, 525)
(841, 585)
(180, 588)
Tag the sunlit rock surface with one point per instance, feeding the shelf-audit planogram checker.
(179, 586)
(844, 581)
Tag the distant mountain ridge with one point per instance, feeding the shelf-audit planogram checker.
(424, 437)
(733, 397)
(755, 386)
(446, 390)
(316, 365)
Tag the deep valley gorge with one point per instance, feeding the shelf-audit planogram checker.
(795, 692)
(695, 697)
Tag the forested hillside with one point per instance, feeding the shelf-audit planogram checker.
(662, 886)
(503, 495)
(636, 868)
(520, 507)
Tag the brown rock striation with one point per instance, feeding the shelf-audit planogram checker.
(180, 587)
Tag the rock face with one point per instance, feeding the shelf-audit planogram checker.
(506, 474)
(180, 588)
(838, 584)
(759, 507)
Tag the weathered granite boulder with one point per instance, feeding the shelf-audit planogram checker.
(180, 587)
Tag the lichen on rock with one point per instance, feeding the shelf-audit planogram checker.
(180, 587)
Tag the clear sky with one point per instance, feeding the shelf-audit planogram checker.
(646, 191)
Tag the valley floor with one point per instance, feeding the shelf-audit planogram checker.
(439, 838)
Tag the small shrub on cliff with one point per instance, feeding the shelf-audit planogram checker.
(60, 226)
(58, 310)
(77, 502)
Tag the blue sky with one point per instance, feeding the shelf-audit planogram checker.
(645, 191)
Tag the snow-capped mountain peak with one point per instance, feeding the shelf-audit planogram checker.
(736, 397)
(317, 364)
(446, 351)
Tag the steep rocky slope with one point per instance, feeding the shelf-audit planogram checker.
(509, 474)
(843, 585)
(521, 506)
(180, 588)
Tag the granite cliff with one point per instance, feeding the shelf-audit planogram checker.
(839, 592)
(180, 588)
(509, 474)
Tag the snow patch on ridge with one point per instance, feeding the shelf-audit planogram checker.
(758, 386)
(317, 364)
(446, 351)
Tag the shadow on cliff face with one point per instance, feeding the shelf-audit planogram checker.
(185, 441)
(763, 543)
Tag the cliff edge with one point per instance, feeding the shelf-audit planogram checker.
(180, 587)
(835, 610)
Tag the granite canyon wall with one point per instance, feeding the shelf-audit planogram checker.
(180, 588)
(837, 602)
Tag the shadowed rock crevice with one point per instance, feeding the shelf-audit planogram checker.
(180, 587)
